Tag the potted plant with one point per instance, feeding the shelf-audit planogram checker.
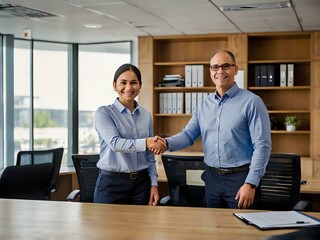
(291, 123)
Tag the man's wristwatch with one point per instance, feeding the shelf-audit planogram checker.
(251, 185)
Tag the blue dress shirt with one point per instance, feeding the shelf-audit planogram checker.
(235, 130)
(122, 137)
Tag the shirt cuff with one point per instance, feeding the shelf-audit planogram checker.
(253, 178)
(154, 181)
(141, 144)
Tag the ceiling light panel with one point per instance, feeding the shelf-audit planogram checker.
(20, 11)
(255, 6)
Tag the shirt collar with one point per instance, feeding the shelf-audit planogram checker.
(233, 90)
(122, 108)
(230, 93)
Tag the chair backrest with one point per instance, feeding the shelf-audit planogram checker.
(280, 186)
(53, 156)
(87, 173)
(26, 181)
(183, 174)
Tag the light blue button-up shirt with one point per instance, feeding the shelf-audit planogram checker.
(235, 130)
(122, 137)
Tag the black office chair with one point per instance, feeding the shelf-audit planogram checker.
(87, 173)
(280, 186)
(53, 156)
(26, 181)
(185, 186)
(308, 233)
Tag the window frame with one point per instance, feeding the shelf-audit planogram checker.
(7, 157)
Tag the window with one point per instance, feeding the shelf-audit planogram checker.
(40, 85)
(22, 96)
(46, 126)
(97, 64)
(50, 96)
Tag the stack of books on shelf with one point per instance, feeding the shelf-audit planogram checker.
(172, 80)
(271, 75)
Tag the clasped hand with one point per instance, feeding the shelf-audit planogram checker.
(156, 144)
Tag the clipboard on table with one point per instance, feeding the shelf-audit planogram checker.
(268, 220)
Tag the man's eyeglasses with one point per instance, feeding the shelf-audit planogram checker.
(225, 66)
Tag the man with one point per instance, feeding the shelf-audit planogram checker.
(236, 138)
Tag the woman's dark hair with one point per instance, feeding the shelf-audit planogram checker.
(127, 67)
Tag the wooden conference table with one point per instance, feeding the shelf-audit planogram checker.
(28, 219)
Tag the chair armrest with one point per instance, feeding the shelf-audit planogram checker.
(73, 195)
(301, 205)
(166, 201)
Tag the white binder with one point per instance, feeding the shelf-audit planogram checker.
(180, 102)
(290, 75)
(199, 98)
(170, 103)
(194, 99)
(283, 75)
(239, 78)
(200, 76)
(161, 102)
(174, 103)
(188, 103)
(194, 73)
(165, 104)
(188, 75)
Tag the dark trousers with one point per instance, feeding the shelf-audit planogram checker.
(221, 190)
(120, 189)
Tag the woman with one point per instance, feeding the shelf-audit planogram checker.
(127, 168)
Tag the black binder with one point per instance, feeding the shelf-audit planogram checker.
(264, 75)
(257, 76)
(273, 75)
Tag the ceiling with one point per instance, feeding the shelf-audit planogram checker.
(128, 19)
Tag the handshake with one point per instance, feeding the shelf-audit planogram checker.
(157, 144)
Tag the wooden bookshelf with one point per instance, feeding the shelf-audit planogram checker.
(169, 55)
(276, 49)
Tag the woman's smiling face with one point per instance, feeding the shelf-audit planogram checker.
(127, 86)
